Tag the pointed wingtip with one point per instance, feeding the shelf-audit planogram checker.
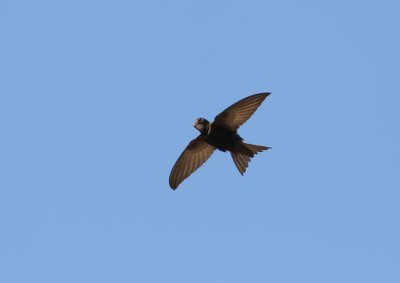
(265, 94)
(262, 95)
(173, 186)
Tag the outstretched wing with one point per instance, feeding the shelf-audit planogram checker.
(194, 155)
(235, 115)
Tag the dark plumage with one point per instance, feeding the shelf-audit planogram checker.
(220, 134)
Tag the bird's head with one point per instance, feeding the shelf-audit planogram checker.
(201, 124)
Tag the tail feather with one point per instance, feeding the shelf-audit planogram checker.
(241, 161)
(255, 148)
(243, 153)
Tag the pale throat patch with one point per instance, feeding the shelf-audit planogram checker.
(199, 126)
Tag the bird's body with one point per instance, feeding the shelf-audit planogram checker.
(222, 135)
(221, 138)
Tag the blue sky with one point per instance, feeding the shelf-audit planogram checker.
(97, 101)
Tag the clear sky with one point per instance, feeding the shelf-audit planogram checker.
(97, 101)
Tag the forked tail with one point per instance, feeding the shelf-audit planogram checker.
(242, 154)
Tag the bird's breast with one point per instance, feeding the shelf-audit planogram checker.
(222, 138)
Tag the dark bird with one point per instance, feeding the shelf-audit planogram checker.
(220, 134)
